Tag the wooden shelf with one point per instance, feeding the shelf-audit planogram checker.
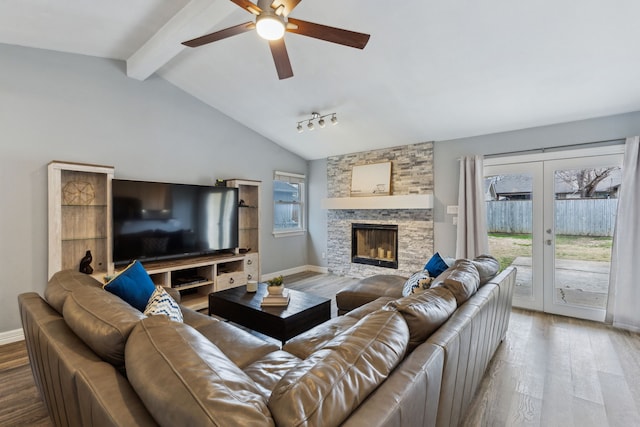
(193, 285)
(196, 301)
(79, 215)
(249, 222)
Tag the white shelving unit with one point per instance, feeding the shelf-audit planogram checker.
(249, 224)
(79, 216)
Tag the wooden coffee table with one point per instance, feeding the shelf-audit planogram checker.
(239, 306)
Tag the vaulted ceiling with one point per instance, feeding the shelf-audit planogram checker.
(433, 70)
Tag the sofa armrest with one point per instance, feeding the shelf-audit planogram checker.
(106, 398)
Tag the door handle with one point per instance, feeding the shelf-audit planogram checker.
(548, 242)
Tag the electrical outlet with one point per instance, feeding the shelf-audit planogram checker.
(324, 255)
(455, 220)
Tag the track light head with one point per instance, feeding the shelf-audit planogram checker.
(320, 118)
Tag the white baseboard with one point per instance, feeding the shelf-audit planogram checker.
(295, 270)
(11, 336)
(626, 326)
(317, 269)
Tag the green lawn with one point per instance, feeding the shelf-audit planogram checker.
(507, 247)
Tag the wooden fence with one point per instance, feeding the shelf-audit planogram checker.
(574, 217)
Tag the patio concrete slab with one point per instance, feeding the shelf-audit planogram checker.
(577, 282)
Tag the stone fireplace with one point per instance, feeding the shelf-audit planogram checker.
(411, 175)
(374, 244)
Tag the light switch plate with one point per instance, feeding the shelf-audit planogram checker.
(452, 209)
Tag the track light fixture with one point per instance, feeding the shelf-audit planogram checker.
(320, 119)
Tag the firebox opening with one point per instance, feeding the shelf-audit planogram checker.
(375, 244)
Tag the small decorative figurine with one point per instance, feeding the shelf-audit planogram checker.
(85, 263)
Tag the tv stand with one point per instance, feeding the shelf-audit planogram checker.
(209, 273)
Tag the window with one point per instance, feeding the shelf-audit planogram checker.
(288, 203)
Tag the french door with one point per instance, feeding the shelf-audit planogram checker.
(552, 217)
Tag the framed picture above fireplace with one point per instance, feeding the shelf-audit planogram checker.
(371, 180)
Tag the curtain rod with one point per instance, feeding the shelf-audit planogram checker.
(603, 143)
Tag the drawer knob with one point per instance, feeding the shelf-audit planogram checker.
(249, 276)
(249, 262)
(231, 280)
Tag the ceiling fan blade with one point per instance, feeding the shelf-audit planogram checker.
(247, 5)
(219, 35)
(281, 58)
(289, 5)
(330, 34)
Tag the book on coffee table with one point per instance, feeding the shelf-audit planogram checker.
(271, 300)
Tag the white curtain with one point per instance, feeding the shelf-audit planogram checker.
(472, 239)
(624, 285)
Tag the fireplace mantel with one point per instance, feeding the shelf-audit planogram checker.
(409, 201)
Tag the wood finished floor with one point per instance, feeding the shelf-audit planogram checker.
(558, 371)
(549, 371)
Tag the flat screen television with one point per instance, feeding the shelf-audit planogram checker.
(156, 221)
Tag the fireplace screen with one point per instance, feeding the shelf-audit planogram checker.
(375, 244)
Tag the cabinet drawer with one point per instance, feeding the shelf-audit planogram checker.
(251, 267)
(230, 280)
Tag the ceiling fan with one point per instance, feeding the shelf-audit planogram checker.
(272, 21)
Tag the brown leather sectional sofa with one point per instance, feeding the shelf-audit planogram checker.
(98, 361)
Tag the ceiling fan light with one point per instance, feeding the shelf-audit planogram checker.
(269, 27)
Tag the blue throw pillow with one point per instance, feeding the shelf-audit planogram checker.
(132, 285)
(436, 265)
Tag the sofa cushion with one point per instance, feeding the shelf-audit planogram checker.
(161, 304)
(195, 319)
(375, 305)
(237, 344)
(425, 312)
(102, 320)
(326, 387)
(269, 369)
(184, 379)
(63, 283)
(462, 280)
(436, 265)
(487, 267)
(133, 285)
(315, 338)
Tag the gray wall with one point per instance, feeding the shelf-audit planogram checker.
(317, 236)
(446, 154)
(56, 106)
